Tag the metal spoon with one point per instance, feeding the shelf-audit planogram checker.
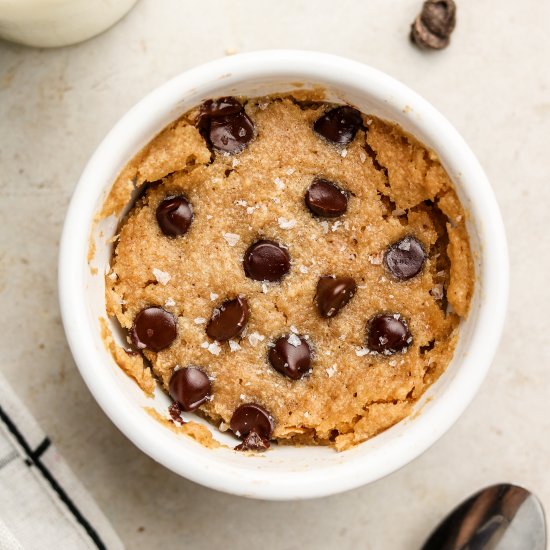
(500, 517)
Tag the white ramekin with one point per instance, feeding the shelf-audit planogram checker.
(284, 472)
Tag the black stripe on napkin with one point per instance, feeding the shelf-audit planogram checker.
(34, 459)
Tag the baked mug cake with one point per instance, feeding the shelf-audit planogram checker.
(292, 270)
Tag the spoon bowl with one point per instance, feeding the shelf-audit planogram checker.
(499, 517)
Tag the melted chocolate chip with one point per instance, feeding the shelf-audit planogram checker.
(174, 216)
(324, 198)
(220, 108)
(333, 293)
(266, 261)
(251, 417)
(253, 442)
(405, 258)
(154, 328)
(339, 125)
(388, 334)
(291, 356)
(232, 134)
(228, 320)
(189, 387)
(433, 27)
(225, 125)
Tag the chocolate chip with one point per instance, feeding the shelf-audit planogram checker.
(154, 329)
(174, 410)
(291, 356)
(228, 320)
(225, 125)
(405, 258)
(266, 261)
(253, 442)
(324, 198)
(220, 108)
(174, 216)
(251, 417)
(333, 293)
(189, 387)
(339, 125)
(388, 334)
(232, 134)
(439, 16)
(433, 27)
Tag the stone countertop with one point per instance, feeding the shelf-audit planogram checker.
(493, 83)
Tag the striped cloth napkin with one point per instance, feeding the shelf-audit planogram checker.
(42, 505)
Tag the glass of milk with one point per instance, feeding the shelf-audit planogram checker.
(50, 23)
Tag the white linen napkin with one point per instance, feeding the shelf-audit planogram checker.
(42, 504)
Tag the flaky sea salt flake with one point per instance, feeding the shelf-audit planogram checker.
(405, 245)
(286, 224)
(161, 276)
(255, 338)
(331, 371)
(294, 340)
(214, 348)
(234, 346)
(279, 183)
(231, 238)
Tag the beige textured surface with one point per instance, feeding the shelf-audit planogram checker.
(348, 397)
(492, 83)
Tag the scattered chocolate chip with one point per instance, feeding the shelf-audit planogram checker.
(388, 334)
(174, 410)
(228, 320)
(266, 261)
(333, 293)
(324, 198)
(339, 125)
(253, 442)
(174, 216)
(154, 328)
(405, 258)
(433, 27)
(439, 16)
(189, 387)
(251, 417)
(291, 356)
(225, 125)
